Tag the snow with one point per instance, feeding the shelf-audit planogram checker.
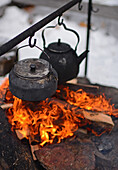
(105, 2)
(103, 55)
(4, 2)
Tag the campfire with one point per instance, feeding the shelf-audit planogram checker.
(46, 119)
(57, 118)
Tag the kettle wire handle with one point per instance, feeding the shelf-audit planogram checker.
(43, 37)
(32, 47)
(68, 29)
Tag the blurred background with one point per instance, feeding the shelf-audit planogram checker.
(18, 15)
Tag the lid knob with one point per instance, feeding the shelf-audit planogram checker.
(59, 41)
(32, 67)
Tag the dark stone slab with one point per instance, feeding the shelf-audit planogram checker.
(13, 153)
(74, 155)
(107, 149)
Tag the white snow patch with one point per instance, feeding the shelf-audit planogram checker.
(4, 2)
(105, 2)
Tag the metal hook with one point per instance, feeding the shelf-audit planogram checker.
(60, 22)
(68, 29)
(80, 6)
(30, 44)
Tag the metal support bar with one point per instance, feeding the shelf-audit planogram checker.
(88, 33)
(30, 31)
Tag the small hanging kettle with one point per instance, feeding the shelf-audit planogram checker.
(33, 79)
(62, 57)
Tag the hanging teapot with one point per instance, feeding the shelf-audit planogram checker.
(62, 57)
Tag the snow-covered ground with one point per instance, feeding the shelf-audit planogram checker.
(4, 2)
(103, 55)
(105, 2)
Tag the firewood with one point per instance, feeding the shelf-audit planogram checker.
(61, 93)
(75, 81)
(6, 105)
(20, 135)
(97, 119)
(100, 123)
(34, 146)
(84, 131)
(33, 149)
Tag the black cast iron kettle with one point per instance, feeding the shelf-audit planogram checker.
(63, 58)
(33, 79)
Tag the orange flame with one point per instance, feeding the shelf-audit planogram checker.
(87, 101)
(53, 119)
(46, 118)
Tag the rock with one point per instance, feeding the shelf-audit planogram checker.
(74, 155)
(13, 153)
(107, 145)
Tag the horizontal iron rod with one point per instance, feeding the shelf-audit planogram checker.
(31, 30)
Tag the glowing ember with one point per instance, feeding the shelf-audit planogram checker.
(3, 89)
(53, 119)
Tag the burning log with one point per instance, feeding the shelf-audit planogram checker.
(19, 134)
(34, 148)
(6, 105)
(98, 119)
(34, 145)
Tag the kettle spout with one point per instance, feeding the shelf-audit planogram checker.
(82, 56)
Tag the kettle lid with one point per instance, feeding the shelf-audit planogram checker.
(59, 47)
(32, 68)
